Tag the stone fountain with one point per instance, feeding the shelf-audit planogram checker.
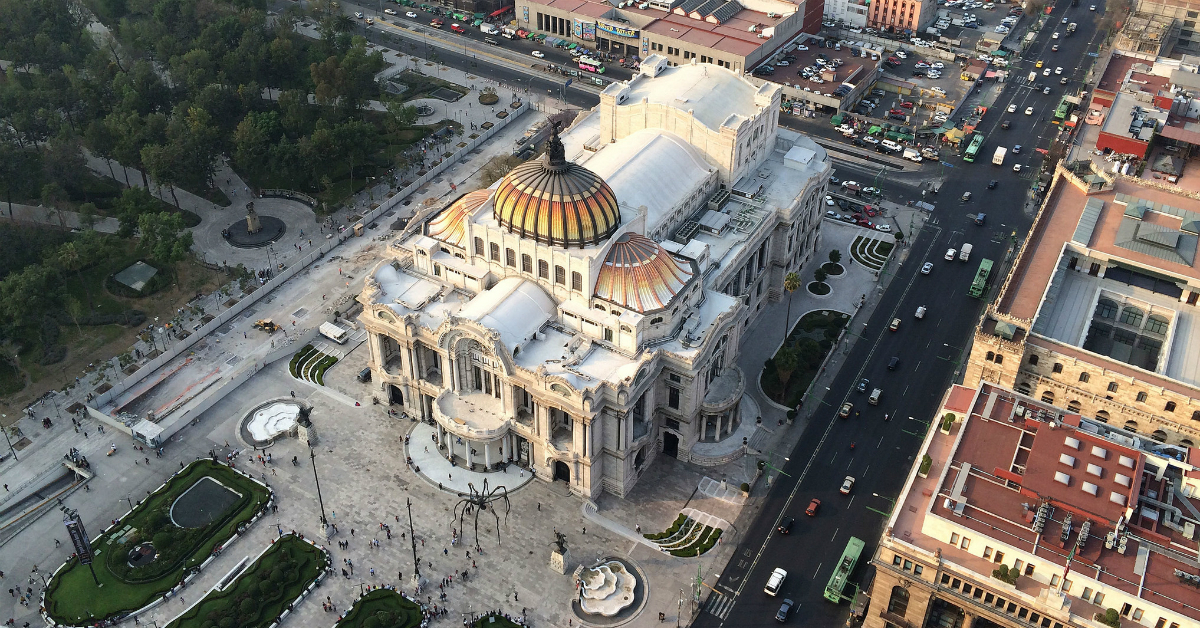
(606, 589)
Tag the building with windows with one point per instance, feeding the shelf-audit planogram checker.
(734, 34)
(1180, 36)
(850, 12)
(583, 314)
(901, 15)
(1100, 312)
(1024, 515)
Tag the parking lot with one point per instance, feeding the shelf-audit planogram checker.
(901, 85)
(840, 66)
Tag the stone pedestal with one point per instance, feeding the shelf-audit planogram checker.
(306, 434)
(559, 561)
(416, 582)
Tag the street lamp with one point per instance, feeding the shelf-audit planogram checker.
(4, 428)
(128, 498)
(889, 499)
(312, 455)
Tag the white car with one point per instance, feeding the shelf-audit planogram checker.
(1016, 167)
(1012, 108)
(539, 54)
(937, 65)
(847, 485)
(1046, 72)
(884, 228)
(1029, 111)
(410, 15)
(1092, 8)
(358, 14)
(926, 268)
(901, 54)
(390, 11)
(829, 200)
(1064, 20)
(1054, 36)
(1058, 70)
(801, 48)
(950, 253)
(1045, 90)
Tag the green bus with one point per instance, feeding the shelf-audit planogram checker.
(841, 572)
(974, 148)
(981, 279)
(1060, 114)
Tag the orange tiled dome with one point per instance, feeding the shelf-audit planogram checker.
(640, 275)
(450, 226)
(556, 202)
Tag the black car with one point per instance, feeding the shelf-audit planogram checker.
(862, 385)
(785, 609)
(786, 526)
(893, 363)
(992, 184)
(1006, 125)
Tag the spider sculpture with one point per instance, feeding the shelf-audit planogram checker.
(481, 501)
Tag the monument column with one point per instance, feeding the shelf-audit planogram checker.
(487, 456)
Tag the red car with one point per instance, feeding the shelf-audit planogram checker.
(458, 29)
(813, 506)
(906, 105)
(896, 112)
(870, 211)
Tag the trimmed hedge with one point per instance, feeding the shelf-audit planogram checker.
(383, 608)
(298, 357)
(669, 531)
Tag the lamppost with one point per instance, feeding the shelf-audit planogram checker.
(412, 537)
(128, 498)
(312, 455)
(889, 499)
(4, 428)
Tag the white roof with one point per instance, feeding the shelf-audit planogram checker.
(653, 168)
(717, 96)
(514, 307)
(408, 291)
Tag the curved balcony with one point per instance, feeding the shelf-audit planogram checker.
(725, 391)
(476, 416)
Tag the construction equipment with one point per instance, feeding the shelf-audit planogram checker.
(266, 325)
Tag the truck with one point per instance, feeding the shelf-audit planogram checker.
(1071, 27)
(509, 33)
(489, 29)
(930, 154)
(998, 158)
(334, 332)
(912, 155)
(965, 253)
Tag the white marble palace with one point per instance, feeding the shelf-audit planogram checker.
(583, 314)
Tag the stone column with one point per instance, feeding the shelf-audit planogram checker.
(487, 456)
(543, 414)
(449, 446)
(470, 458)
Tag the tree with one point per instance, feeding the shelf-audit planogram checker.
(820, 275)
(163, 237)
(103, 142)
(252, 139)
(497, 168)
(74, 310)
(129, 208)
(70, 259)
(791, 282)
(162, 164)
(1109, 617)
(401, 115)
(786, 361)
(835, 256)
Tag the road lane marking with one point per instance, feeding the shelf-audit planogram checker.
(848, 504)
(817, 571)
(834, 534)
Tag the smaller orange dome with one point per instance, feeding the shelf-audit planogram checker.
(450, 226)
(640, 275)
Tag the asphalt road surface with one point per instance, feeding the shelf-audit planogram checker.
(930, 352)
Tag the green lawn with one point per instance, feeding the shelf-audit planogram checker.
(72, 596)
(263, 591)
(495, 621)
(382, 608)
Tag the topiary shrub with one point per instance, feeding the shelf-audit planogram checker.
(745, 487)
(1005, 574)
(926, 465)
(1109, 617)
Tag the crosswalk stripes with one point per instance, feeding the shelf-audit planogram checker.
(718, 605)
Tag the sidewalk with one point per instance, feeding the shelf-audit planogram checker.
(60, 218)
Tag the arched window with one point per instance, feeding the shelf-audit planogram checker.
(1106, 308)
(1196, 415)
(479, 246)
(600, 306)
(1102, 416)
(510, 258)
(1131, 426)
(560, 275)
(1132, 316)
(1058, 367)
(1157, 324)
(1159, 436)
(1170, 407)
(898, 605)
(1074, 406)
(1048, 397)
(576, 281)
(990, 355)
(1024, 388)
(495, 252)
(543, 269)
(1084, 377)
(526, 263)
(999, 359)
(656, 320)
(1033, 360)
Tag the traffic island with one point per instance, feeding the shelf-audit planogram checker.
(162, 542)
(789, 372)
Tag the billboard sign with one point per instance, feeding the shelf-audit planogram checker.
(618, 30)
(79, 538)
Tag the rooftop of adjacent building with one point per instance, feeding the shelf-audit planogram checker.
(733, 34)
(1010, 454)
(1151, 237)
(688, 87)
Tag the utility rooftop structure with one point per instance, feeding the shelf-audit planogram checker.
(1088, 517)
(583, 314)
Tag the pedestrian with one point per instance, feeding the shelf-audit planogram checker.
(57, 542)
(351, 531)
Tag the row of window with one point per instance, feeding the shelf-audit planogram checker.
(543, 267)
(1085, 377)
(687, 54)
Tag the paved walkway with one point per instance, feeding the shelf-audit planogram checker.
(438, 471)
(61, 218)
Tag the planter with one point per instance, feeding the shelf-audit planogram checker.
(832, 269)
(818, 288)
